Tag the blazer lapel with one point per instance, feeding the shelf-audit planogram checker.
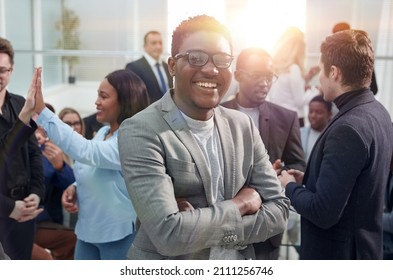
(175, 120)
(228, 152)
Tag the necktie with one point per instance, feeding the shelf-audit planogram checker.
(162, 81)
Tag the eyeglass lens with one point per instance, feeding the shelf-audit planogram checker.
(200, 58)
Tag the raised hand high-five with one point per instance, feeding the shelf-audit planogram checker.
(29, 108)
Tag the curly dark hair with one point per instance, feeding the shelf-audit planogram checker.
(131, 92)
(195, 24)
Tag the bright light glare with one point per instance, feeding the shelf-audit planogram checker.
(258, 24)
(262, 21)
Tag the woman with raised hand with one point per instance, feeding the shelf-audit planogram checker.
(105, 227)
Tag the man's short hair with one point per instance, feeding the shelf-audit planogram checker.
(195, 24)
(352, 52)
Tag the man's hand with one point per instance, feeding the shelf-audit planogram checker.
(68, 199)
(27, 209)
(184, 205)
(248, 201)
(291, 175)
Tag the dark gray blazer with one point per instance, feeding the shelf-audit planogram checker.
(162, 162)
(142, 68)
(280, 132)
(342, 200)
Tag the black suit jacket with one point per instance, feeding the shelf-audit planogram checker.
(280, 132)
(342, 200)
(142, 68)
(24, 167)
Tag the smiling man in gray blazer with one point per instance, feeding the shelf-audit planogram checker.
(198, 174)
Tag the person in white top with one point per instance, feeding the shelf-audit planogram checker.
(291, 90)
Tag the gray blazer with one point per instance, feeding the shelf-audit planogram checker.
(162, 162)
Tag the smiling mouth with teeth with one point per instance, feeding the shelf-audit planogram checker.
(206, 84)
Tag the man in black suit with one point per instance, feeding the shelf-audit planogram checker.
(151, 68)
(279, 127)
(340, 197)
(21, 176)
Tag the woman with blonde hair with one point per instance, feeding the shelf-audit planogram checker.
(291, 88)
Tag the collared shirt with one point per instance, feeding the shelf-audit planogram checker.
(152, 62)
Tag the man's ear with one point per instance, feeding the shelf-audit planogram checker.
(335, 73)
(171, 66)
(237, 75)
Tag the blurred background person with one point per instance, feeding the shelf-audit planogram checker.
(292, 90)
(91, 126)
(72, 117)
(319, 114)
(278, 126)
(53, 240)
(151, 68)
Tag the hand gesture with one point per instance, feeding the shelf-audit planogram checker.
(54, 154)
(248, 201)
(29, 109)
(291, 175)
(69, 198)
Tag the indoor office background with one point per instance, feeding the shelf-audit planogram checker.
(111, 34)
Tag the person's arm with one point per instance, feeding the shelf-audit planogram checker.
(324, 206)
(151, 189)
(174, 232)
(103, 154)
(271, 219)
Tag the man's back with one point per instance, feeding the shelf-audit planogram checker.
(344, 221)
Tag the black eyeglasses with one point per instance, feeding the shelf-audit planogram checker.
(200, 58)
(74, 123)
(5, 70)
(268, 77)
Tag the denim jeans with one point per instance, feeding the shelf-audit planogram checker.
(115, 250)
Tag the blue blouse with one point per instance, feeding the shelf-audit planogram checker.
(105, 210)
